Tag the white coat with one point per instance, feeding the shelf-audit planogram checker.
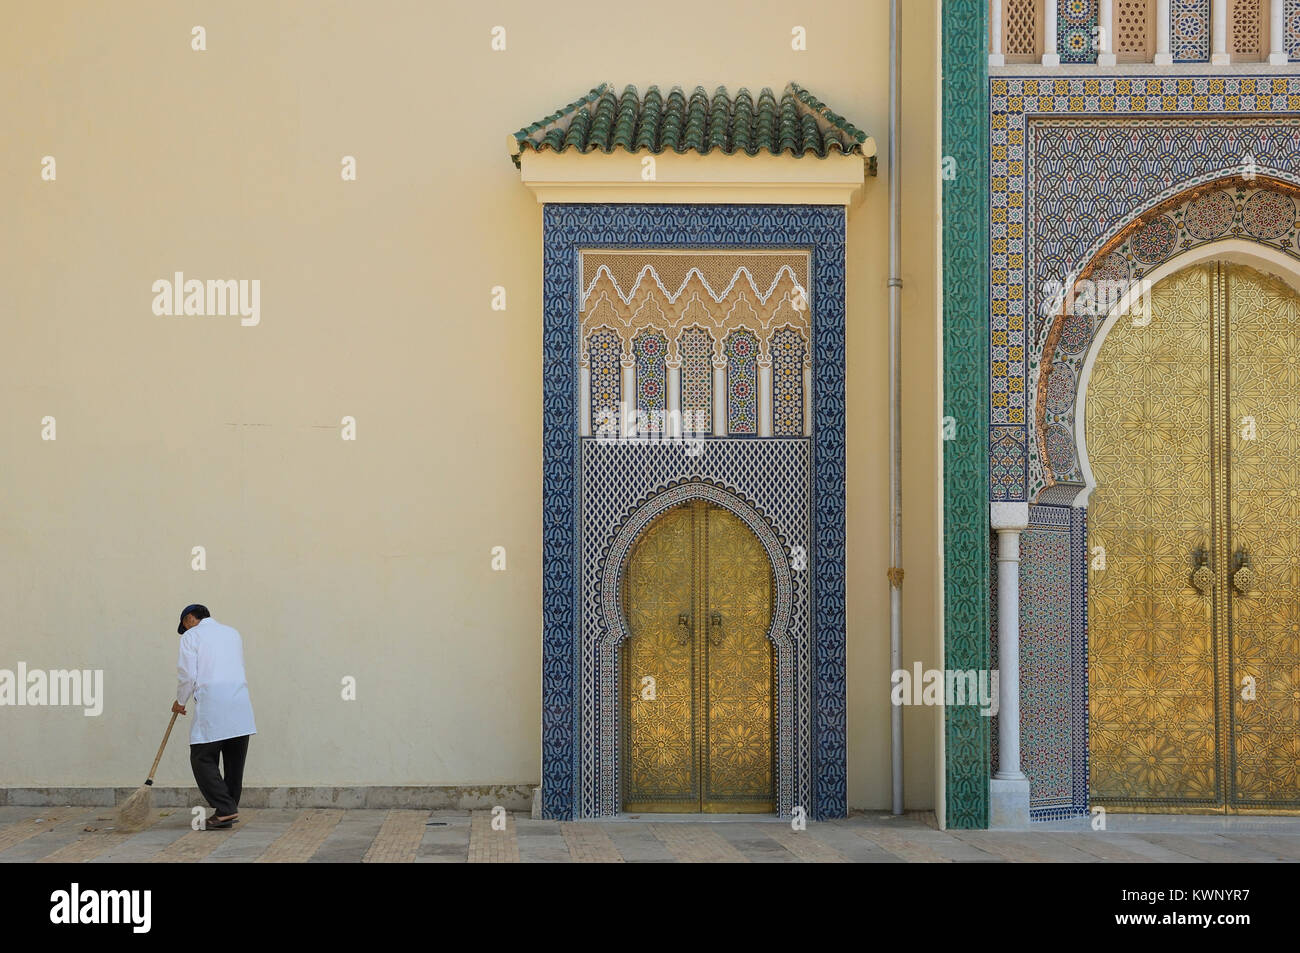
(211, 669)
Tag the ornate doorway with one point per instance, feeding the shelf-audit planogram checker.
(698, 667)
(1193, 429)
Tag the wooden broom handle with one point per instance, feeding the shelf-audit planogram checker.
(163, 745)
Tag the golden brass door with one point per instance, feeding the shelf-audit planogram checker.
(1193, 431)
(1261, 551)
(697, 666)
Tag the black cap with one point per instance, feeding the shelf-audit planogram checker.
(200, 612)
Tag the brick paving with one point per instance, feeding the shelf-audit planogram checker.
(446, 839)
(303, 838)
(399, 838)
(82, 849)
(589, 844)
(1102, 848)
(59, 835)
(910, 850)
(45, 832)
(256, 831)
(193, 847)
(697, 844)
(490, 846)
(41, 821)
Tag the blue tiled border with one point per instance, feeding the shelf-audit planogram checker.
(566, 229)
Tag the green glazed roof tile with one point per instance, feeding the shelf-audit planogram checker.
(602, 125)
(671, 132)
(579, 129)
(742, 123)
(605, 120)
(629, 109)
(697, 121)
(652, 112)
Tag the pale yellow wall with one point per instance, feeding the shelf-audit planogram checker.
(868, 413)
(370, 558)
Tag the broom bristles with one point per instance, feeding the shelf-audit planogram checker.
(134, 813)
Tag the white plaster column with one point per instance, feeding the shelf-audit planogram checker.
(584, 401)
(765, 398)
(1106, 54)
(1277, 33)
(807, 401)
(673, 425)
(995, 49)
(719, 400)
(1164, 34)
(1219, 34)
(1008, 788)
(1050, 56)
(627, 407)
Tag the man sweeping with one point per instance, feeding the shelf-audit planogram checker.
(211, 669)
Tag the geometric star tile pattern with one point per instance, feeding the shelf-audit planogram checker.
(1076, 21)
(1189, 29)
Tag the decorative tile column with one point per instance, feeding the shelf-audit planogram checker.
(719, 397)
(584, 401)
(674, 423)
(1008, 788)
(807, 404)
(627, 413)
(765, 397)
(965, 92)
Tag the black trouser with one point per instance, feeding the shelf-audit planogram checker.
(221, 793)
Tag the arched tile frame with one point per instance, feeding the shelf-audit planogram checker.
(615, 631)
(567, 230)
(1279, 253)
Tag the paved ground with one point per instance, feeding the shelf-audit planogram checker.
(86, 835)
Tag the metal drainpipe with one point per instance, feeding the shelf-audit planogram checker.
(895, 422)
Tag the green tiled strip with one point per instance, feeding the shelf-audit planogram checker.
(965, 395)
(603, 120)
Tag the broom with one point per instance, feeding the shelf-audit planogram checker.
(135, 812)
